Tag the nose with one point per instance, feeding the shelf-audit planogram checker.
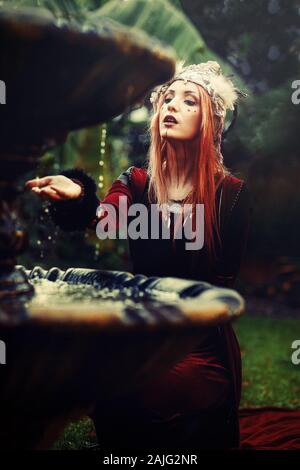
(172, 105)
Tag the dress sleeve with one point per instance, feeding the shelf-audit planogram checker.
(82, 213)
(234, 238)
(76, 214)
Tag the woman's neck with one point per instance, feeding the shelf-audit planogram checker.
(180, 158)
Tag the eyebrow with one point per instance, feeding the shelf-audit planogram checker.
(186, 92)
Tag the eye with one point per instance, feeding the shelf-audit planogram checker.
(190, 102)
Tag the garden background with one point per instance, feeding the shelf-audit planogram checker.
(258, 42)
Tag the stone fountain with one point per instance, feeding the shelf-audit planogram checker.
(64, 350)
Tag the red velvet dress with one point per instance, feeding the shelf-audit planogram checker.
(194, 405)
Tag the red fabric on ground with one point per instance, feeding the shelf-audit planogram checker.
(269, 428)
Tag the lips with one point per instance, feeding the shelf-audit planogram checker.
(170, 119)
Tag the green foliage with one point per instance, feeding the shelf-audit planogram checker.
(162, 20)
(158, 19)
(71, 10)
(271, 124)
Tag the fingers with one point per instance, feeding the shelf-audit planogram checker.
(38, 182)
(47, 192)
(59, 192)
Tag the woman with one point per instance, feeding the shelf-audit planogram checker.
(194, 405)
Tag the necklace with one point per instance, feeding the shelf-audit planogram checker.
(177, 201)
(175, 206)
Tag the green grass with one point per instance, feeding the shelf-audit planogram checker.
(79, 435)
(269, 377)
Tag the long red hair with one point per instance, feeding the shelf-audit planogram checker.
(208, 169)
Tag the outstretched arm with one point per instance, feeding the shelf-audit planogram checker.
(75, 205)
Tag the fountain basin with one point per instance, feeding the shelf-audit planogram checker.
(91, 335)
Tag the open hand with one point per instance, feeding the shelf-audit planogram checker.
(56, 188)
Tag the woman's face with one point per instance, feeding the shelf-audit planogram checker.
(181, 102)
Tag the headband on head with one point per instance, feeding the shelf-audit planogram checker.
(209, 75)
(222, 91)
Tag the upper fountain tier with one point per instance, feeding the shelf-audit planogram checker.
(64, 75)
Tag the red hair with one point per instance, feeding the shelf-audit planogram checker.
(208, 171)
